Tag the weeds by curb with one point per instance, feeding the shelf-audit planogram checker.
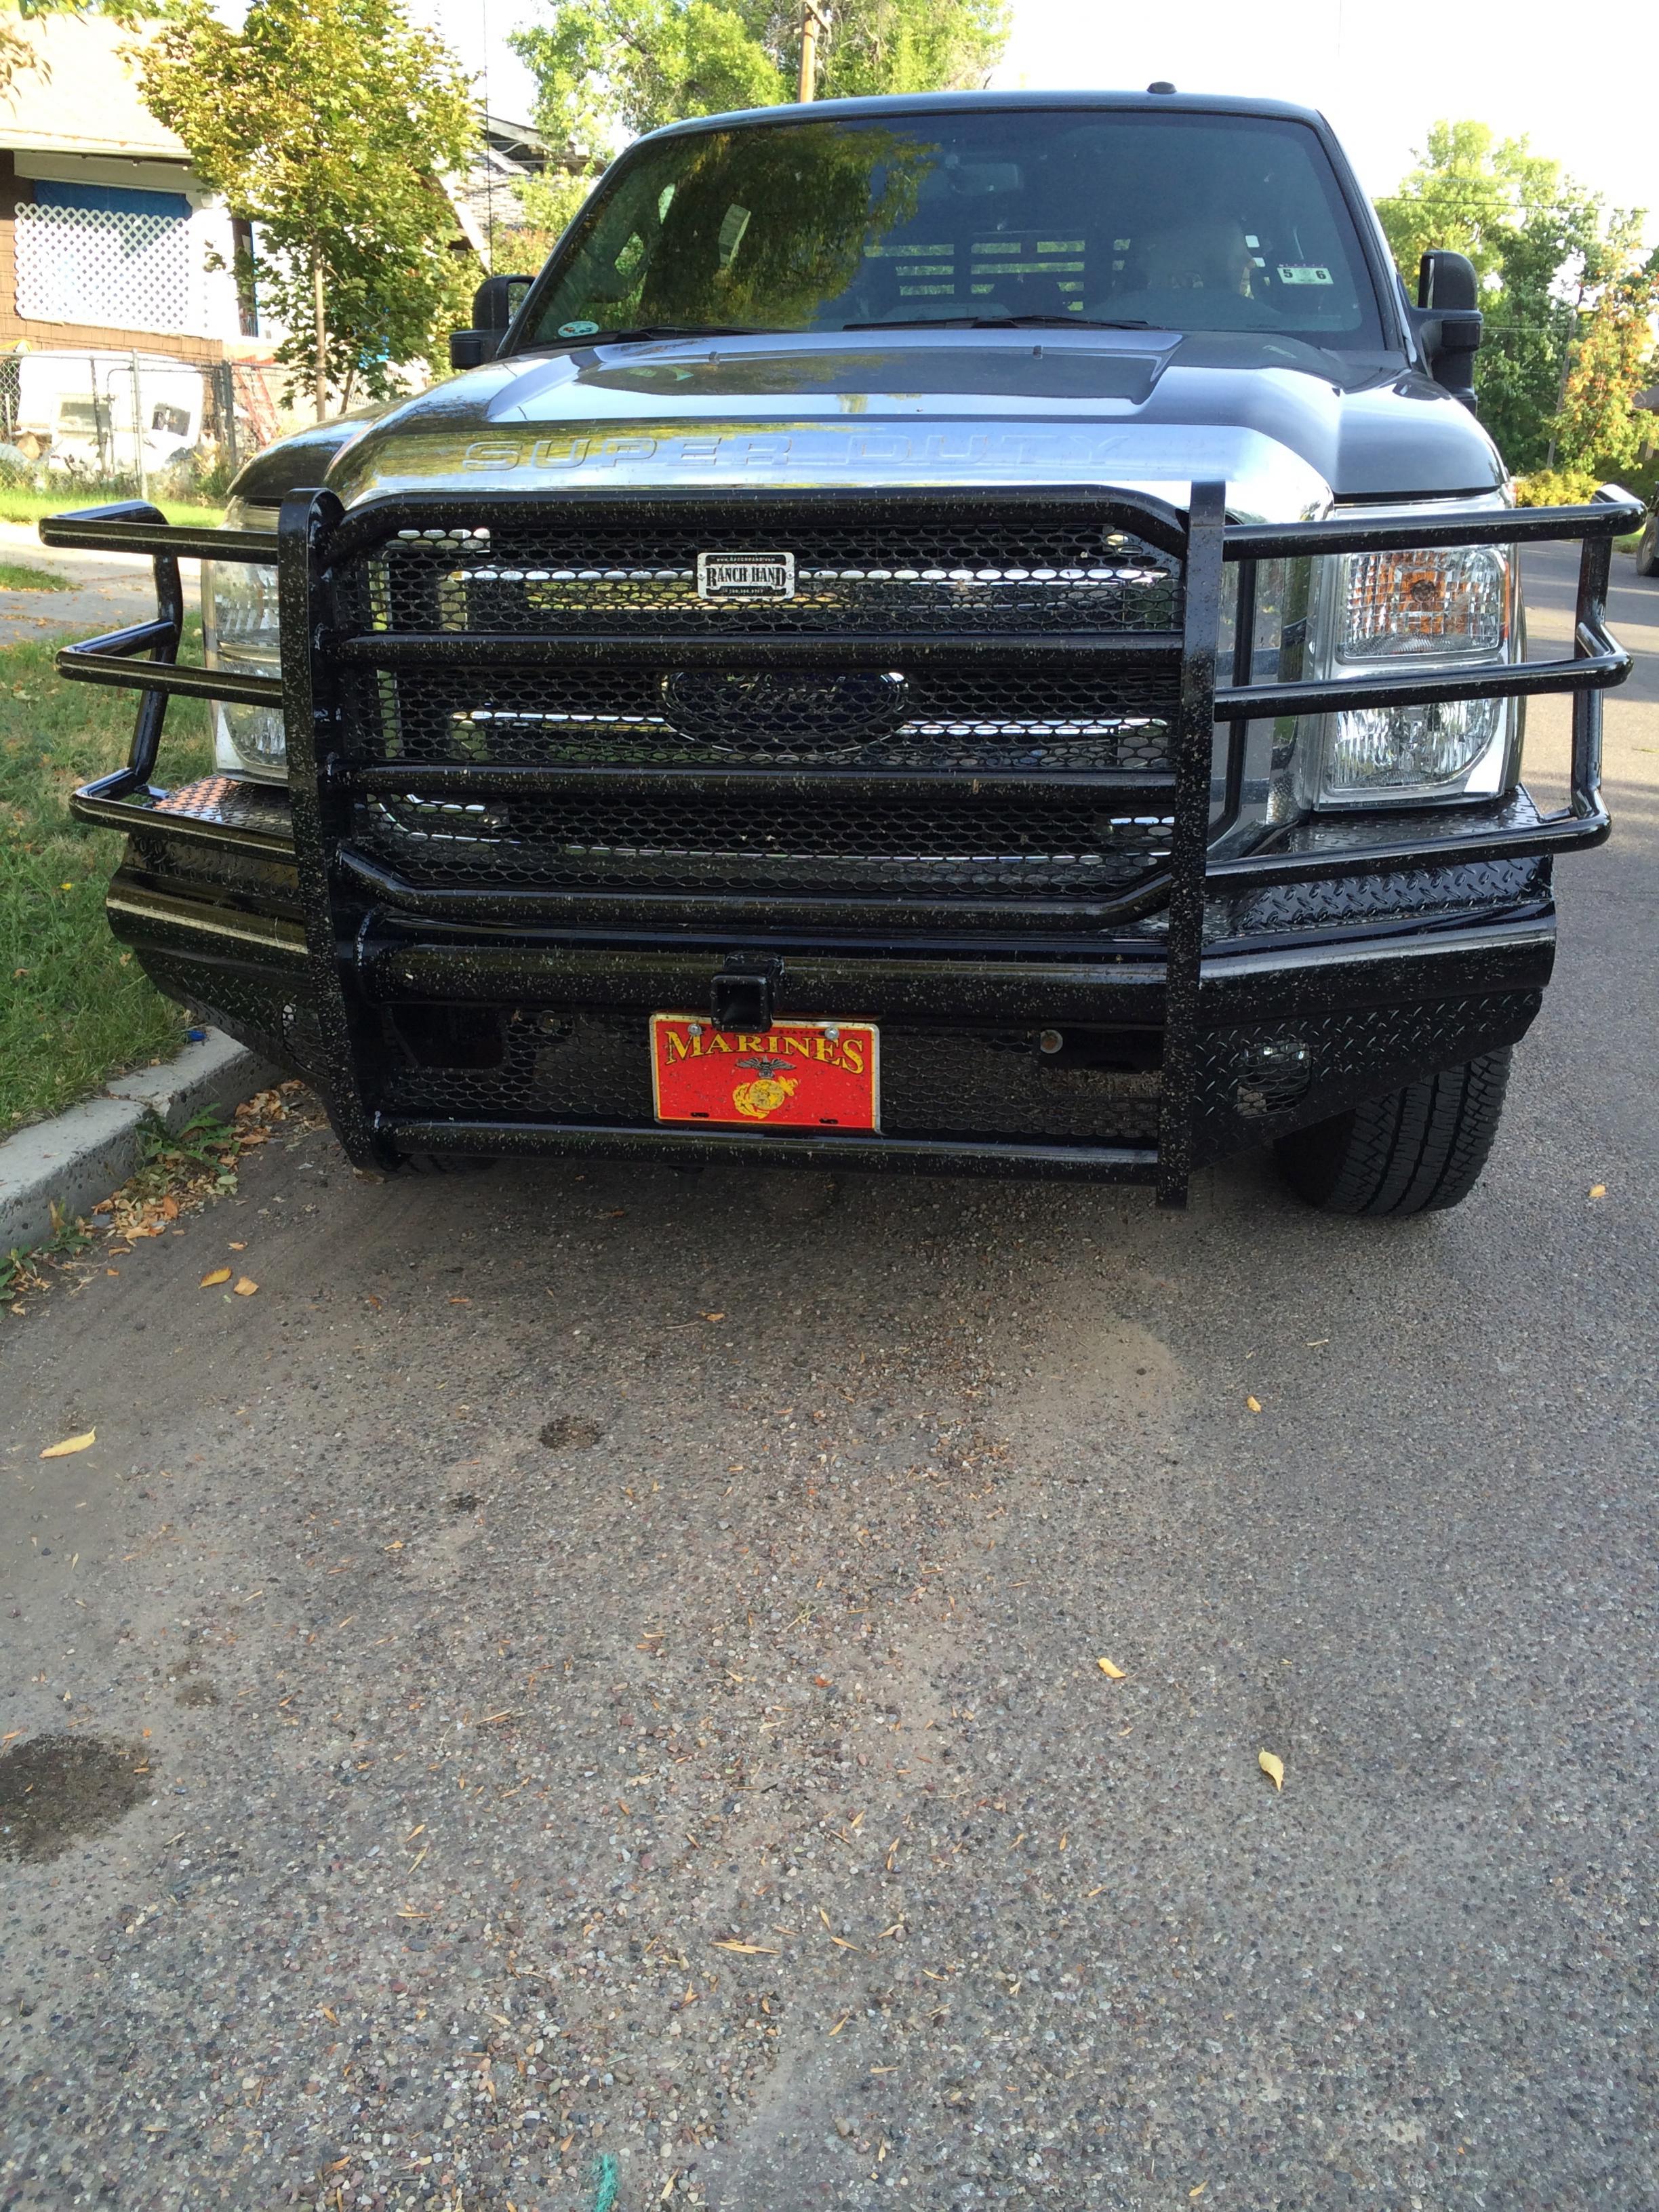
(183, 1171)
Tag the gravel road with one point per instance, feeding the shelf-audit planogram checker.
(589, 1679)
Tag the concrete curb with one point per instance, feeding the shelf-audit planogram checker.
(89, 1151)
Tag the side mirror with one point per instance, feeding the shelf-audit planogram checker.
(1447, 320)
(496, 301)
(495, 304)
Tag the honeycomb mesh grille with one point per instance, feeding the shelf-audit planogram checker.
(948, 843)
(637, 576)
(849, 579)
(1119, 720)
(595, 1067)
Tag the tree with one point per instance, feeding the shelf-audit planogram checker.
(606, 69)
(18, 55)
(1561, 292)
(331, 124)
(1597, 431)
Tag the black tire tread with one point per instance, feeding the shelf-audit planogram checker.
(1417, 1150)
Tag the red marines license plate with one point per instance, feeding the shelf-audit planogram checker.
(817, 1074)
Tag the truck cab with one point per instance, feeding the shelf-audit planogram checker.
(971, 634)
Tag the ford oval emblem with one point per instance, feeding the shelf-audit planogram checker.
(785, 710)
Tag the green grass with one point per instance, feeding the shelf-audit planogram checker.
(18, 576)
(75, 1007)
(18, 505)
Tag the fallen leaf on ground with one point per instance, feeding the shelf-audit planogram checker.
(1106, 1668)
(1272, 1767)
(1598, 1190)
(1255, 1403)
(840, 2023)
(244, 1286)
(750, 1950)
(70, 1444)
(218, 1275)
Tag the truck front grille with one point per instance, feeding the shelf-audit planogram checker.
(539, 577)
(953, 842)
(946, 774)
(1001, 718)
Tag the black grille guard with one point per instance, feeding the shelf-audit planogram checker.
(315, 537)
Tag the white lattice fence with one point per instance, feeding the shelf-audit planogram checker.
(119, 272)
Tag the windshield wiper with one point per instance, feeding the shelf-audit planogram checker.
(1004, 323)
(639, 332)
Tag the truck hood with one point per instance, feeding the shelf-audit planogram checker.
(1290, 427)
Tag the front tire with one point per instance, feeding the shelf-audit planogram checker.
(1647, 549)
(1417, 1151)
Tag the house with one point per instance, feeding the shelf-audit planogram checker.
(486, 199)
(105, 235)
(124, 337)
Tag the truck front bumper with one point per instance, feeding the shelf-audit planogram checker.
(474, 1039)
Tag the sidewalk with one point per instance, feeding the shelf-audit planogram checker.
(112, 589)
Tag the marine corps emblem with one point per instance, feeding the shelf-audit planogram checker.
(768, 1090)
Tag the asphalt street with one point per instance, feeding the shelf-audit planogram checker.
(588, 1680)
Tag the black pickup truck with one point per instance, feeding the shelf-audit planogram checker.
(974, 633)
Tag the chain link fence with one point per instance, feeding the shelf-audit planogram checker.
(138, 422)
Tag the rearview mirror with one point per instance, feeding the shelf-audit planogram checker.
(495, 304)
(1447, 320)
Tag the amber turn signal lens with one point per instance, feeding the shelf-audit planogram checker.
(1430, 602)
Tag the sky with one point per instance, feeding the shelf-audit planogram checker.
(1382, 73)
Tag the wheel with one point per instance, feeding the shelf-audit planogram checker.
(1415, 1151)
(1647, 548)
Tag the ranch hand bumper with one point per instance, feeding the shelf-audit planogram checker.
(452, 984)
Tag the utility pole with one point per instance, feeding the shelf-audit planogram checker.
(319, 311)
(812, 20)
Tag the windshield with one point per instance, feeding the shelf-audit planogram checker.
(1190, 223)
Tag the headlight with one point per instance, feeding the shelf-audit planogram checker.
(1390, 613)
(238, 631)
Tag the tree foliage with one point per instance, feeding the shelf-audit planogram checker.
(17, 53)
(1567, 300)
(608, 69)
(331, 124)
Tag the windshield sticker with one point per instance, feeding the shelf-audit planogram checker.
(586, 329)
(1304, 273)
